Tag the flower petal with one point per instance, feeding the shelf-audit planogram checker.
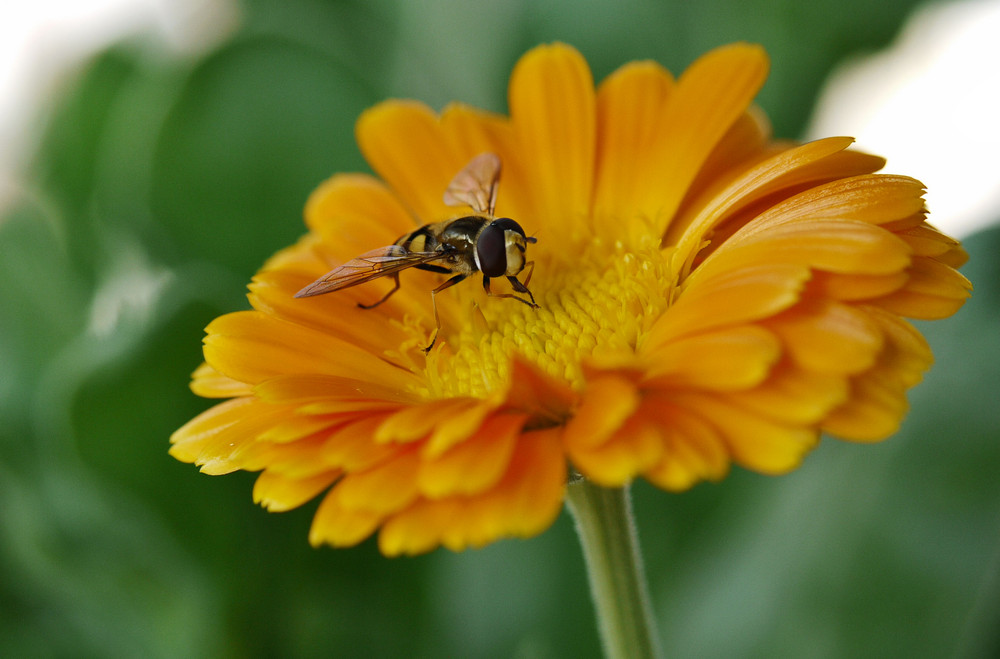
(608, 402)
(209, 383)
(385, 487)
(525, 501)
(755, 442)
(552, 107)
(473, 465)
(932, 291)
(693, 450)
(730, 297)
(280, 347)
(629, 104)
(407, 147)
(277, 492)
(730, 359)
(708, 99)
(356, 213)
(339, 526)
(827, 337)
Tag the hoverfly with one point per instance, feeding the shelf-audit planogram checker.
(459, 247)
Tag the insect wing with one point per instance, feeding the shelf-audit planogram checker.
(371, 265)
(476, 185)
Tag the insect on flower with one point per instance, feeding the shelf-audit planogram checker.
(459, 247)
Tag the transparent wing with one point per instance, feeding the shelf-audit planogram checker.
(476, 185)
(380, 262)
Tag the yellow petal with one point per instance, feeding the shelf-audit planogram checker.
(352, 447)
(295, 427)
(216, 438)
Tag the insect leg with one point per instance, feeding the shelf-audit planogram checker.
(530, 267)
(518, 286)
(385, 297)
(437, 319)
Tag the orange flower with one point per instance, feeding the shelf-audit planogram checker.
(707, 296)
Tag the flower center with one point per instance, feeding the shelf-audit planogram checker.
(592, 304)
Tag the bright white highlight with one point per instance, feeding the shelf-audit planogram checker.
(930, 105)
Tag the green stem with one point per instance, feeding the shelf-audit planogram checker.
(611, 550)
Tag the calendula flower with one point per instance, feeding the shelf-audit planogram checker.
(706, 296)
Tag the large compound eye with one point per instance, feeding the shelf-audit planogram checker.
(491, 251)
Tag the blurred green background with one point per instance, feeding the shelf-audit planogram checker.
(162, 181)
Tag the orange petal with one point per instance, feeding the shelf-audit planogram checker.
(552, 107)
(535, 392)
(355, 213)
(874, 411)
(216, 438)
(745, 141)
(933, 291)
(629, 105)
(279, 493)
(791, 167)
(828, 337)
(693, 450)
(299, 388)
(731, 297)
(636, 447)
(754, 441)
(872, 198)
(352, 447)
(339, 526)
(708, 99)
(209, 383)
(846, 246)
(851, 287)
(474, 465)
(608, 402)
(418, 421)
(407, 147)
(730, 359)
(386, 487)
(794, 396)
(524, 503)
(279, 347)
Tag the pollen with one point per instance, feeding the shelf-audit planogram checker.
(589, 307)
